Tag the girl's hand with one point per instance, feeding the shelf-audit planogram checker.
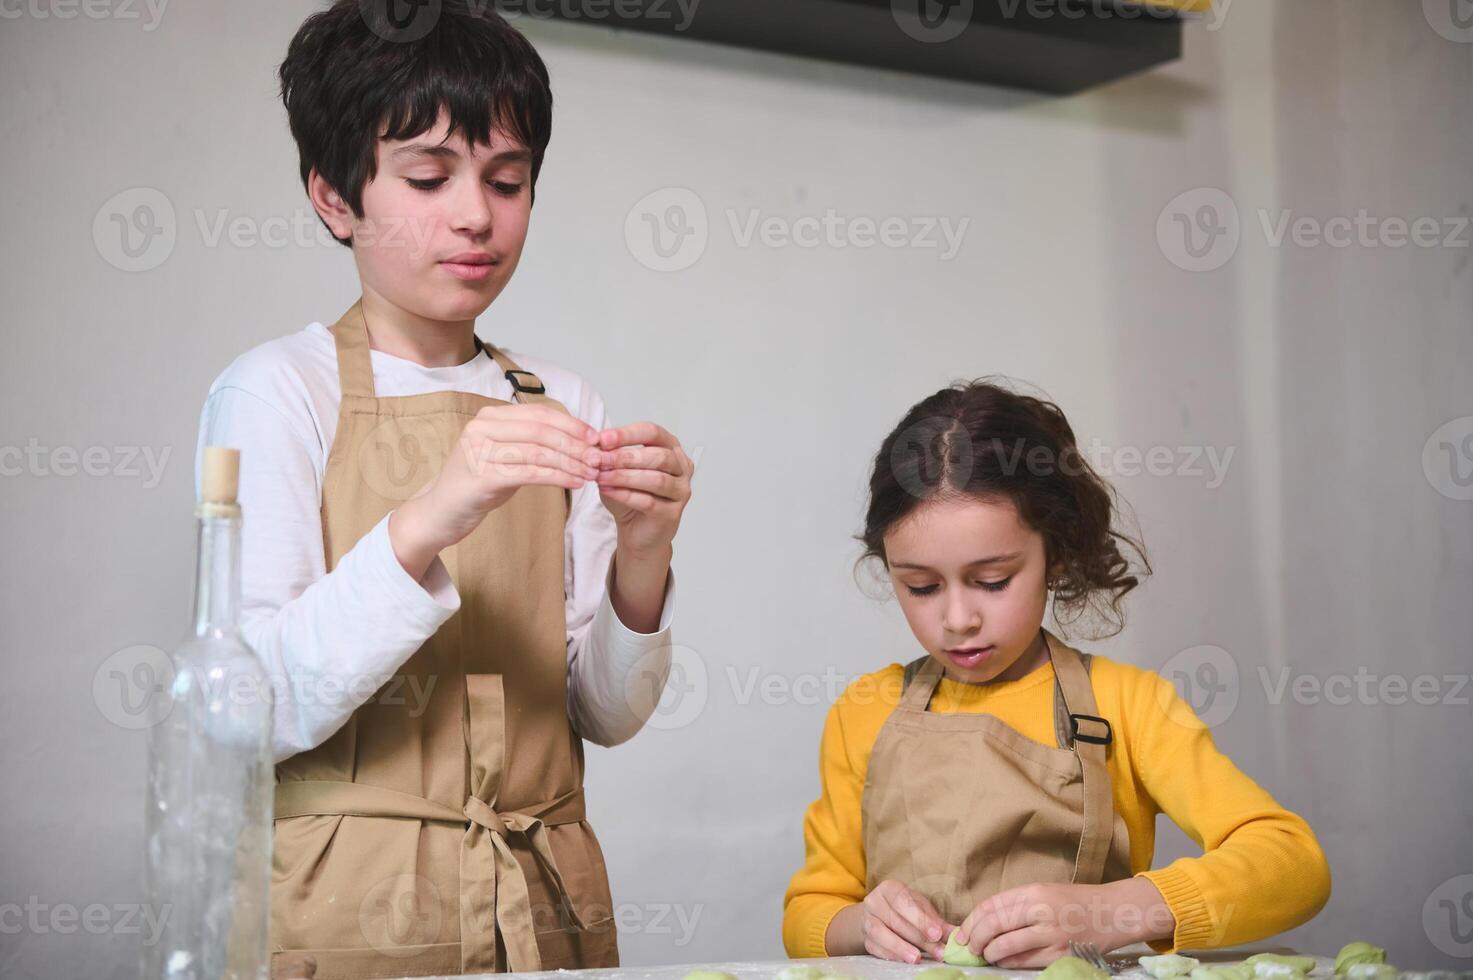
(644, 480)
(892, 923)
(1030, 927)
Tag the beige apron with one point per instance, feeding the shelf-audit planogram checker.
(960, 806)
(441, 830)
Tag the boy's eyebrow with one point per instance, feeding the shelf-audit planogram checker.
(990, 560)
(517, 155)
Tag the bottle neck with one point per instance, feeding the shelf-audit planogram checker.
(217, 576)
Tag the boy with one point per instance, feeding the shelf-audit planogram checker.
(451, 605)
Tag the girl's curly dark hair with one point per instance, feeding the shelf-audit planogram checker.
(982, 439)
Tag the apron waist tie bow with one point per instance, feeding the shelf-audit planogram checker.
(491, 878)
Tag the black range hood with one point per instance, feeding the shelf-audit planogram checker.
(1055, 46)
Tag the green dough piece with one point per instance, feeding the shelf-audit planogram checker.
(1372, 971)
(1353, 953)
(958, 955)
(1223, 971)
(1071, 968)
(708, 975)
(1303, 964)
(940, 973)
(1170, 965)
(1268, 970)
(799, 973)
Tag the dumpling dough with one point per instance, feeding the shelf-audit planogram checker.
(1071, 968)
(799, 973)
(1372, 971)
(1223, 971)
(1170, 965)
(1352, 953)
(940, 973)
(958, 955)
(1269, 970)
(1273, 964)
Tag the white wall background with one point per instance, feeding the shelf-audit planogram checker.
(1326, 550)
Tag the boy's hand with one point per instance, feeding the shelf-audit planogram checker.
(501, 450)
(644, 480)
(893, 923)
(1031, 926)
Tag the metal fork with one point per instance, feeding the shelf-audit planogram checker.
(1090, 953)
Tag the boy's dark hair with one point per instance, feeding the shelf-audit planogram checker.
(979, 439)
(357, 72)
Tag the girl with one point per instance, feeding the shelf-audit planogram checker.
(1004, 782)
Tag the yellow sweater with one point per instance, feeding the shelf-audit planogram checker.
(1262, 870)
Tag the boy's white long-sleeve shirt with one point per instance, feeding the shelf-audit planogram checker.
(331, 640)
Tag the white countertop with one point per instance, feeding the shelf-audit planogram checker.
(870, 968)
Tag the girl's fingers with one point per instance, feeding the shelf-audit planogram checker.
(884, 943)
(979, 929)
(650, 481)
(936, 919)
(964, 931)
(999, 914)
(928, 928)
(897, 921)
(1028, 942)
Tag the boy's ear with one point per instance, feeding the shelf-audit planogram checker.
(329, 206)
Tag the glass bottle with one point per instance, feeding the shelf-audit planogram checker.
(210, 772)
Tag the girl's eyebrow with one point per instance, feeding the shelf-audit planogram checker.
(992, 560)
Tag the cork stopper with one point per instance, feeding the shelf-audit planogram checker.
(219, 481)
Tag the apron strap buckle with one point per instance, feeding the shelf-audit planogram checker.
(1075, 735)
(532, 387)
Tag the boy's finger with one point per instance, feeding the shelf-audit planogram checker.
(528, 476)
(510, 431)
(637, 499)
(637, 434)
(560, 419)
(504, 459)
(574, 427)
(650, 481)
(645, 458)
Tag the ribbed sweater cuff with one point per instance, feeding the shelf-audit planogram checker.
(817, 928)
(1194, 927)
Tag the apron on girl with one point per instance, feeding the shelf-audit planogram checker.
(959, 807)
(442, 829)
